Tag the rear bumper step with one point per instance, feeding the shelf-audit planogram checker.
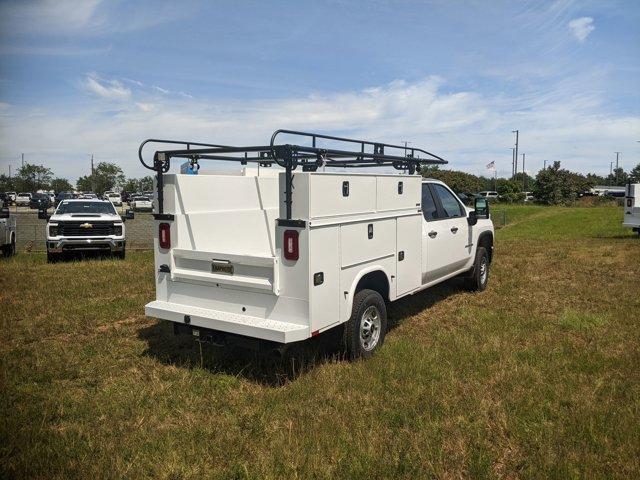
(265, 329)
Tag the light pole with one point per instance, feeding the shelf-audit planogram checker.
(517, 132)
(544, 167)
(610, 172)
(513, 161)
(617, 159)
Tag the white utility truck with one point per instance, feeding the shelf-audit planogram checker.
(7, 231)
(279, 257)
(632, 207)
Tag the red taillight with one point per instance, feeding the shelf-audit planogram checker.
(164, 235)
(291, 245)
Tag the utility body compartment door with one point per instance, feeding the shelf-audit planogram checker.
(409, 253)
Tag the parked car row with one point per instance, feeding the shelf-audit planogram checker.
(139, 201)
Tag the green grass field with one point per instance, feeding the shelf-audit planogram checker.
(537, 377)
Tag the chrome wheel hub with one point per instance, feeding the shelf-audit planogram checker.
(484, 270)
(370, 326)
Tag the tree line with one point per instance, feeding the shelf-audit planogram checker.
(552, 185)
(106, 176)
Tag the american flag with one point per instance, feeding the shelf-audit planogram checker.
(491, 166)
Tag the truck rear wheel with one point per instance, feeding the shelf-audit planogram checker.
(479, 278)
(10, 249)
(365, 331)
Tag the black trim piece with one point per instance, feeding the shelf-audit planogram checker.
(283, 222)
(164, 268)
(163, 216)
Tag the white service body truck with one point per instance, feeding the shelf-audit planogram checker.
(226, 265)
(632, 207)
(7, 232)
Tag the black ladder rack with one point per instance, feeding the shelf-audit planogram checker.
(290, 156)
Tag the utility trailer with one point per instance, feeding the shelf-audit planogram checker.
(272, 258)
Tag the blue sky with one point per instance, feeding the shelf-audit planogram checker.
(453, 77)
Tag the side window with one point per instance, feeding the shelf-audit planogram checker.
(449, 203)
(429, 209)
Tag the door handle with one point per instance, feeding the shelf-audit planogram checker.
(433, 234)
(454, 229)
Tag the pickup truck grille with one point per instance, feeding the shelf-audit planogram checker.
(82, 229)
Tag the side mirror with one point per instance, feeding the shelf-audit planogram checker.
(472, 219)
(4, 212)
(481, 206)
(42, 215)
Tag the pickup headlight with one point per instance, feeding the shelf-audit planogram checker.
(53, 230)
(117, 230)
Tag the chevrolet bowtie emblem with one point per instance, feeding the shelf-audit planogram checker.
(85, 225)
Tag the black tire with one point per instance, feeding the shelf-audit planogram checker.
(121, 255)
(368, 305)
(53, 257)
(479, 278)
(9, 249)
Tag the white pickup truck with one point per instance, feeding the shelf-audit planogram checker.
(280, 257)
(632, 207)
(7, 231)
(84, 226)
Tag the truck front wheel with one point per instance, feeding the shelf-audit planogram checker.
(364, 332)
(479, 278)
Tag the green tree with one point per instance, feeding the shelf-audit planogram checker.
(596, 179)
(33, 177)
(555, 185)
(618, 177)
(525, 181)
(635, 173)
(509, 190)
(7, 183)
(106, 176)
(143, 184)
(61, 185)
(458, 181)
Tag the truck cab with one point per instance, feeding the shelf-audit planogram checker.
(281, 256)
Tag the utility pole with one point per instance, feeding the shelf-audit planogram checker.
(513, 162)
(93, 182)
(617, 159)
(517, 132)
(22, 160)
(545, 165)
(524, 176)
(610, 172)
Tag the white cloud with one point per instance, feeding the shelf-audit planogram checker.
(581, 27)
(467, 128)
(51, 16)
(106, 89)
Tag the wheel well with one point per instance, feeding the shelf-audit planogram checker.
(377, 281)
(486, 241)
